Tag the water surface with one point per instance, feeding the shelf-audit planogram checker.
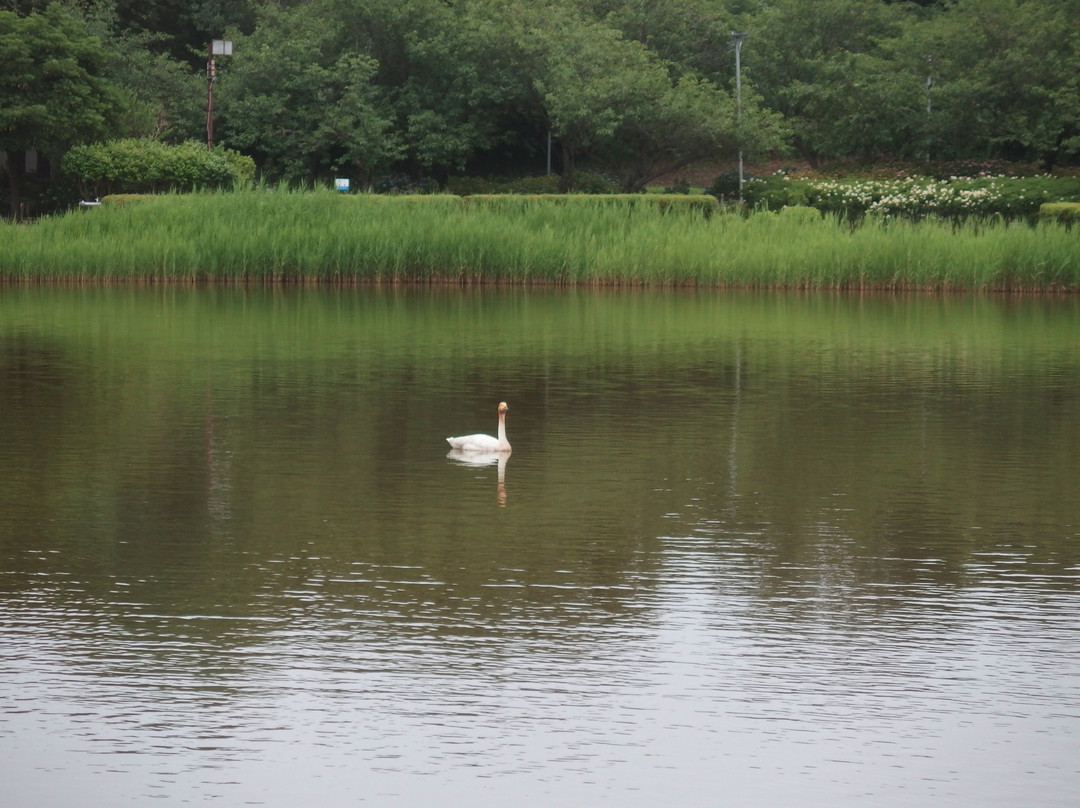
(748, 549)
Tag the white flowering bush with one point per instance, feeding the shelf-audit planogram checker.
(955, 198)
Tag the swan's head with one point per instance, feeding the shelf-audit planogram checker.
(503, 408)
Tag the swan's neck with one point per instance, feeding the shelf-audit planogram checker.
(503, 442)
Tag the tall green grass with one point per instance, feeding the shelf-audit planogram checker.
(324, 237)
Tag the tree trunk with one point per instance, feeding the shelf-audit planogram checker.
(16, 168)
(1048, 160)
(808, 154)
(566, 179)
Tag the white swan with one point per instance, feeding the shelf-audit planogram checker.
(484, 443)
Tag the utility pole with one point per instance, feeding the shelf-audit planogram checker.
(929, 107)
(738, 37)
(218, 47)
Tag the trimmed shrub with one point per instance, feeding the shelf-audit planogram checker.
(585, 182)
(690, 203)
(149, 166)
(547, 184)
(116, 200)
(700, 204)
(801, 213)
(1066, 212)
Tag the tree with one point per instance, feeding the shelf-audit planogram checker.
(52, 89)
(685, 122)
(451, 76)
(307, 108)
(182, 29)
(1006, 79)
(448, 73)
(616, 101)
(691, 35)
(590, 80)
(820, 64)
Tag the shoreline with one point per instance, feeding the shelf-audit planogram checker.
(318, 238)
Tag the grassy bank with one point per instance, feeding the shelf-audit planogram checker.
(324, 237)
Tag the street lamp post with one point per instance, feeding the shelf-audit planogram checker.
(218, 47)
(738, 36)
(929, 104)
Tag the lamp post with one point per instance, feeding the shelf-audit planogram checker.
(929, 105)
(738, 36)
(218, 47)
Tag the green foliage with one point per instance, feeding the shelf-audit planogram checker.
(454, 76)
(681, 185)
(303, 104)
(1066, 212)
(404, 184)
(149, 166)
(368, 89)
(614, 100)
(124, 199)
(256, 236)
(689, 120)
(801, 213)
(1006, 76)
(916, 197)
(164, 98)
(591, 182)
(180, 28)
(679, 203)
(821, 64)
(588, 100)
(529, 185)
(52, 87)
(774, 192)
(52, 91)
(585, 182)
(465, 186)
(979, 78)
(726, 185)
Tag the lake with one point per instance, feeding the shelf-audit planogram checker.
(748, 550)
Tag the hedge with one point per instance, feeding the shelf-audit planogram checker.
(1067, 212)
(149, 166)
(954, 198)
(700, 203)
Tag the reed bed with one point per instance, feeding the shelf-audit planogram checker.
(319, 237)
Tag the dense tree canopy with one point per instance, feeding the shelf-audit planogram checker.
(432, 88)
(304, 105)
(52, 92)
(1006, 78)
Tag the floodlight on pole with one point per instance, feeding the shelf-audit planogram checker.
(218, 47)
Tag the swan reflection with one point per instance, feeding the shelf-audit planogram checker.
(463, 458)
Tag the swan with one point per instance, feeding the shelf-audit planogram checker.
(484, 443)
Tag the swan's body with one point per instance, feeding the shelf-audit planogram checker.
(484, 443)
